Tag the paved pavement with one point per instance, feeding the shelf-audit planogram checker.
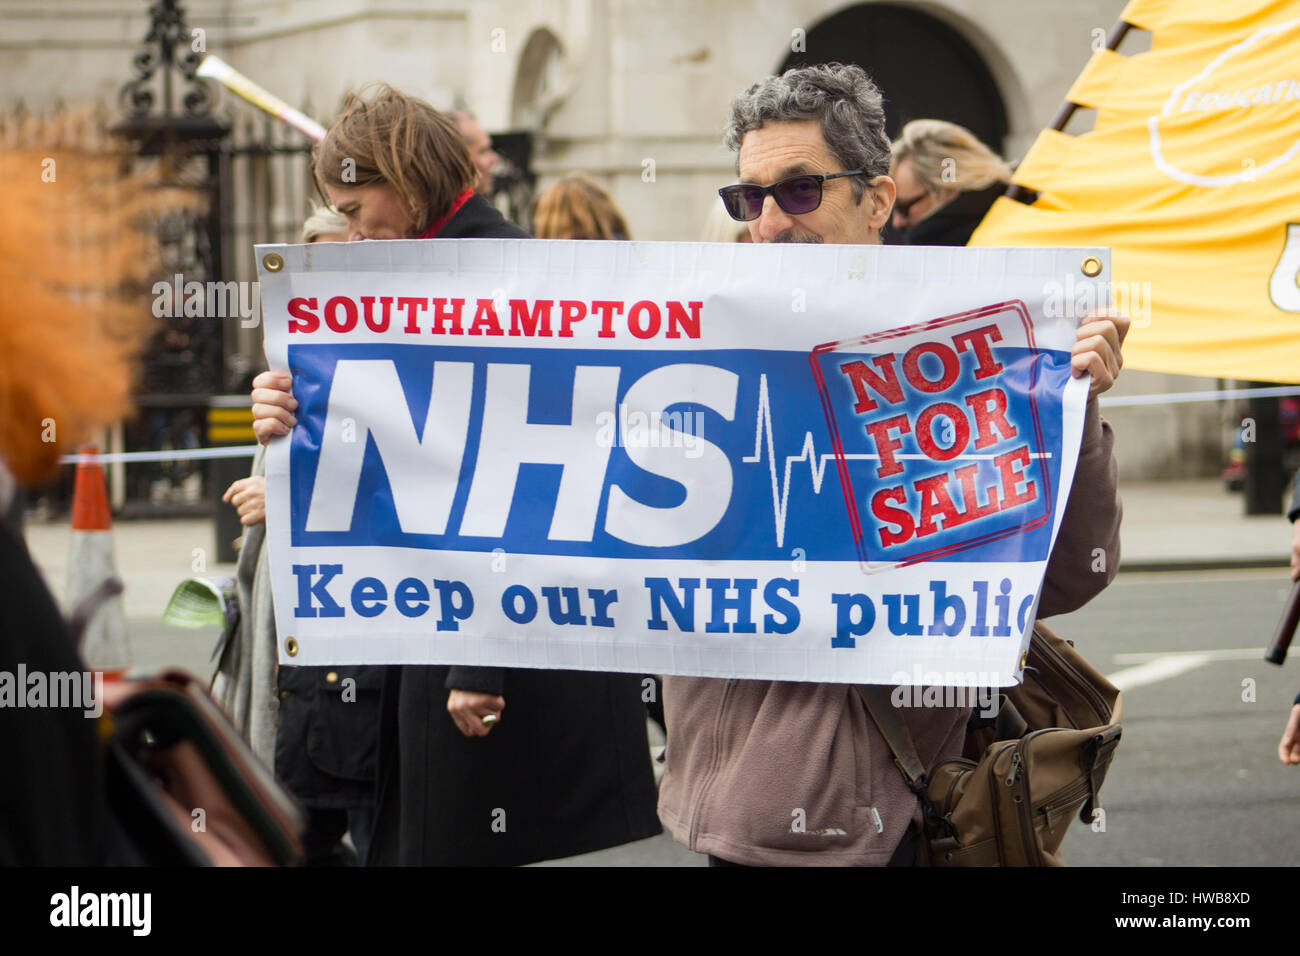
(152, 558)
(1182, 524)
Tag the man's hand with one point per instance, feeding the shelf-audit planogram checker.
(468, 708)
(273, 405)
(1295, 551)
(248, 495)
(1288, 751)
(1097, 348)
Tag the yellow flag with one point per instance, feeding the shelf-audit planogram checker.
(1192, 176)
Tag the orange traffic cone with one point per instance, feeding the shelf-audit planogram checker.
(91, 568)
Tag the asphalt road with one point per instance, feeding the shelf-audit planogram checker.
(1196, 780)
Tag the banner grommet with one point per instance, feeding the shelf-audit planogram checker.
(1091, 267)
(291, 646)
(272, 262)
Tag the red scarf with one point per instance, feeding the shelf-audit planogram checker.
(436, 226)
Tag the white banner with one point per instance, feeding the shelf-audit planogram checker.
(791, 462)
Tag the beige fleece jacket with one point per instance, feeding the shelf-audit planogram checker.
(748, 760)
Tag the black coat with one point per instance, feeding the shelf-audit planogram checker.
(327, 734)
(54, 808)
(566, 771)
(953, 223)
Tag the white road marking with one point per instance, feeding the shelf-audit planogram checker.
(1226, 654)
(1162, 668)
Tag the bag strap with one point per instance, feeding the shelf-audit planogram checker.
(895, 732)
(892, 727)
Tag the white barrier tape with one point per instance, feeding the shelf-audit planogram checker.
(179, 454)
(1174, 398)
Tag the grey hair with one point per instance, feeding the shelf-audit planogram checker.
(850, 107)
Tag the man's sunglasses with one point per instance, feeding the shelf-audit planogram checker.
(796, 195)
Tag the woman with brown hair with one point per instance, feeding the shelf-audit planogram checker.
(396, 168)
(569, 760)
(578, 207)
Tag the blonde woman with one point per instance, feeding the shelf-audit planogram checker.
(946, 181)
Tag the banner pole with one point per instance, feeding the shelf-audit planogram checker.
(1068, 108)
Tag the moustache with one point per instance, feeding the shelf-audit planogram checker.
(791, 236)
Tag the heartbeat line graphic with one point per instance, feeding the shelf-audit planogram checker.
(816, 463)
(763, 434)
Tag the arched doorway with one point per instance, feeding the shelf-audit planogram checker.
(537, 80)
(924, 67)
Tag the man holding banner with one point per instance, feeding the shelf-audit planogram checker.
(789, 773)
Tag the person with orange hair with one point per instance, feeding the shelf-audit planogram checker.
(66, 364)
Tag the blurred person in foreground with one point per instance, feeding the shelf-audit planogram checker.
(66, 364)
(567, 761)
(813, 162)
(946, 181)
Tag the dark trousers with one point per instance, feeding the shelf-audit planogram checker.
(322, 842)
